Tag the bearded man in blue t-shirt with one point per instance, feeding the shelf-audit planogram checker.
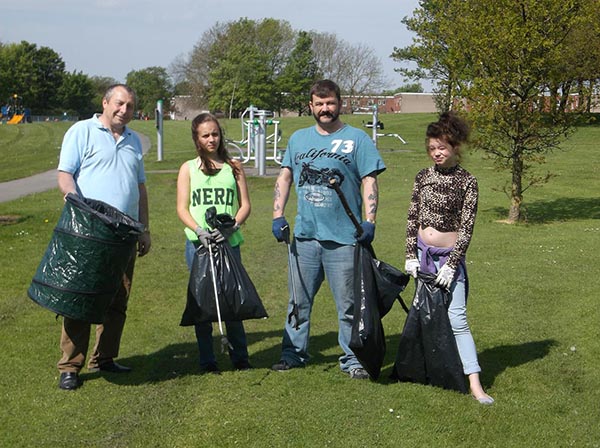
(324, 236)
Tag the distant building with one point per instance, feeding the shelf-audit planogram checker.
(403, 102)
(183, 107)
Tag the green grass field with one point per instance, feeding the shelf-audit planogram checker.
(533, 312)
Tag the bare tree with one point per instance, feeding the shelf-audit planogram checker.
(355, 68)
(196, 69)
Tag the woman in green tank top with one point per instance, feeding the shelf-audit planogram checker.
(213, 179)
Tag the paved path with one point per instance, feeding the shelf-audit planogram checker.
(38, 183)
(15, 189)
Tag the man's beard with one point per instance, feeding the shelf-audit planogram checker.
(332, 115)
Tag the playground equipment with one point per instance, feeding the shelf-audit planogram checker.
(255, 142)
(16, 119)
(14, 112)
(376, 124)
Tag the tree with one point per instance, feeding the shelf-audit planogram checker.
(505, 62)
(355, 68)
(194, 70)
(33, 73)
(299, 74)
(100, 85)
(239, 63)
(412, 88)
(150, 85)
(245, 64)
(76, 94)
(432, 55)
(235, 64)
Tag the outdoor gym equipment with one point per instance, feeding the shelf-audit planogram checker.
(159, 130)
(256, 140)
(376, 124)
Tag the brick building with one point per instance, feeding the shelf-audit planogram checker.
(389, 104)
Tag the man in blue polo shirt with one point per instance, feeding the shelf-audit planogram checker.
(101, 159)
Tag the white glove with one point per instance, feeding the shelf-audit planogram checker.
(445, 277)
(411, 266)
(204, 236)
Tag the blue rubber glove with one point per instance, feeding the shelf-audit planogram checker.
(368, 232)
(279, 226)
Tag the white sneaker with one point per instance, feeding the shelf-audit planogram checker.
(359, 374)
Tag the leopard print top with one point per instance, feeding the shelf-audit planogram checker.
(445, 199)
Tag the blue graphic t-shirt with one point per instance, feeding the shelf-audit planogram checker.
(348, 155)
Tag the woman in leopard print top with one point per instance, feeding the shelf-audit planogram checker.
(440, 225)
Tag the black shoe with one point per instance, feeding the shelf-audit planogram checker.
(112, 367)
(69, 381)
(210, 368)
(242, 365)
(281, 366)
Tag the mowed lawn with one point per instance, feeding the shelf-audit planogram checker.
(533, 310)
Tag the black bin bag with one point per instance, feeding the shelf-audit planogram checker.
(237, 296)
(376, 286)
(83, 266)
(427, 352)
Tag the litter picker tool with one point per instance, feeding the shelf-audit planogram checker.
(285, 230)
(210, 213)
(333, 183)
(376, 286)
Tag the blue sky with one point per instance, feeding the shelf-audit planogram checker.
(113, 37)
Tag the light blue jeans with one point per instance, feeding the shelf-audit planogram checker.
(457, 313)
(235, 329)
(313, 261)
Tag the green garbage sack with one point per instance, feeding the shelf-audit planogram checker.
(83, 266)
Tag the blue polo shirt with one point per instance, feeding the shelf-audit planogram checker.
(347, 155)
(104, 169)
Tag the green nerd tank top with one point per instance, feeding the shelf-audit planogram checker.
(218, 190)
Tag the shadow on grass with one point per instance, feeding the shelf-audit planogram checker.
(177, 360)
(496, 360)
(493, 361)
(561, 209)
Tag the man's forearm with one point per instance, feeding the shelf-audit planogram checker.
(281, 192)
(370, 197)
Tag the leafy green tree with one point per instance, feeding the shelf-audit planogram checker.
(243, 61)
(433, 55)
(298, 75)
(505, 60)
(100, 86)
(410, 88)
(150, 85)
(76, 94)
(33, 73)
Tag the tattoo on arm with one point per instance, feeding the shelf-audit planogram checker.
(276, 197)
(373, 199)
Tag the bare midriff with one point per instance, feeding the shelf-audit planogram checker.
(433, 237)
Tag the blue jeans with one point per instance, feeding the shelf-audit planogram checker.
(235, 329)
(313, 260)
(457, 313)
